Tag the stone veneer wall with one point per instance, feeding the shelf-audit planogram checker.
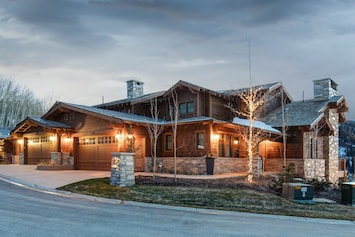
(197, 165)
(276, 165)
(327, 151)
(122, 169)
(314, 169)
(332, 161)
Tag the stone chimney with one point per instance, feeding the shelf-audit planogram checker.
(134, 89)
(324, 89)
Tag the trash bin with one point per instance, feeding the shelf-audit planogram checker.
(348, 193)
(210, 165)
(298, 192)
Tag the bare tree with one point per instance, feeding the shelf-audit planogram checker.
(17, 103)
(174, 114)
(154, 128)
(284, 128)
(253, 99)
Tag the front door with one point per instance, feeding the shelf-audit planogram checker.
(139, 149)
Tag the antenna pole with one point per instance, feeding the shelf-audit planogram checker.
(249, 63)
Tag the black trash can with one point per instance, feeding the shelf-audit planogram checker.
(210, 165)
(348, 193)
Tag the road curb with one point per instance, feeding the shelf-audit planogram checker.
(57, 192)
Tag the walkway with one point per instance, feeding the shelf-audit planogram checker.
(53, 179)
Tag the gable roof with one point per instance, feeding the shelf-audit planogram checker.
(132, 101)
(29, 122)
(268, 87)
(109, 115)
(300, 113)
(180, 83)
(190, 86)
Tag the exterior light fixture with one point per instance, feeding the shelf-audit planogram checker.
(52, 138)
(215, 136)
(118, 135)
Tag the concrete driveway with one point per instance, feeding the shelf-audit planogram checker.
(29, 175)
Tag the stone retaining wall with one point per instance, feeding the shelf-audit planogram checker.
(197, 165)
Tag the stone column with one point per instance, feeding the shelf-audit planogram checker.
(122, 169)
(56, 158)
(332, 161)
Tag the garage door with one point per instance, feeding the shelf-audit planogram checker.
(39, 150)
(94, 152)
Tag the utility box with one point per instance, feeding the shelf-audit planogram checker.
(348, 193)
(298, 192)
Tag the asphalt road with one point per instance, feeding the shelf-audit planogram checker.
(26, 212)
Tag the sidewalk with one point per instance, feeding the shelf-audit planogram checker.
(54, 179)
(47, 179)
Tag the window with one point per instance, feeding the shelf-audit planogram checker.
(187, 107)
(182, 108)
(190, 107)
(200, 141)
(236, 147)
(168, 142)
(313, 148)
(106, 140)
(87, 141)
(228, 146)
(221, 145)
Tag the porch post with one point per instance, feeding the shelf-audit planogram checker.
(25, 150)
(76, 152)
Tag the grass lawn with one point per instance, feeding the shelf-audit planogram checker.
(232, 199)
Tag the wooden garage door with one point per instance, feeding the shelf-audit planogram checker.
(94, 152)
(39, 150)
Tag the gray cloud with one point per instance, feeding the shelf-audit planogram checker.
(105, 42)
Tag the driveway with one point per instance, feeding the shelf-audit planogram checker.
(28, 174)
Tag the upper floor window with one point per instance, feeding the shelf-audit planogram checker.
(182, 108)
(187, 107)
(190, 107)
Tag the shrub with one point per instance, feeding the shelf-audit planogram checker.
(287, 176)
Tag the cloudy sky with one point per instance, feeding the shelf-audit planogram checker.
(82, 51)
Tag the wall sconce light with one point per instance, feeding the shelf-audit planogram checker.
(119, 135)
(236, 142)
(67, 139)
(130, 136)
(52, 138)
(20, 141)
(215, 136)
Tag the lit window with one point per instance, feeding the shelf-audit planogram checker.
(200, 141)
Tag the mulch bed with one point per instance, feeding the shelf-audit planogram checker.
(262, 184)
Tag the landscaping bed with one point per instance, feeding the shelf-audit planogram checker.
(232, 194)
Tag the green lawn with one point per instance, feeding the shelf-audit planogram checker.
(231, 199)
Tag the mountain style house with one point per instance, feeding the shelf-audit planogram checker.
(207, 125)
